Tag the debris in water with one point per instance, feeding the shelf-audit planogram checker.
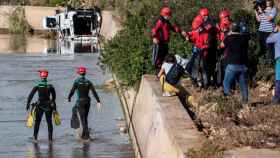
(123, 130)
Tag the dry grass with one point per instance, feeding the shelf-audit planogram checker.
(230, 124)
(207, 150)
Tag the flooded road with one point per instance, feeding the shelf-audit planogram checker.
(18, 75)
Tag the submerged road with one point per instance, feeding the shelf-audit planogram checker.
(18, 75)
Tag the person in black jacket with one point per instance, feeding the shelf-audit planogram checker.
(236, 57)
(83, 86)
(45, 104)
(161, 36)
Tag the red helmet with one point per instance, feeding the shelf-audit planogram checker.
(43, 74)
(197, 22)
(204, 12)
(223, 14)
(165, 11)
(81, 70)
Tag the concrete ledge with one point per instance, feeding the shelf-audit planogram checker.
(162, 126)
(248, 152)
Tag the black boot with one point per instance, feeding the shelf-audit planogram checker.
(276, 97)
(50, 138)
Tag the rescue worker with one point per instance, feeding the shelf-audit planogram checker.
(222, 31)
(82, 86)
(223, 26)
(161, 36)
(199, 36)
(45, 104)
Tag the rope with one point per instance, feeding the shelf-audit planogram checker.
(130, 123)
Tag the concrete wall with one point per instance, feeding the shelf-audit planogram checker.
(110, 26)
(162, 126)
(33, 15)
(4, 16)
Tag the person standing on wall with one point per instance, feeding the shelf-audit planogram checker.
(161, 36)
(82, 86)
(266, 16)
(45, 104)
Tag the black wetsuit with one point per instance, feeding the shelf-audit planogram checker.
(83, 86)
(45, 104)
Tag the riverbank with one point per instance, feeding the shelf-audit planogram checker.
(161, 126)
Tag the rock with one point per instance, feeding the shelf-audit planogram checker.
(271, 145)
(120, 119)
(109, 84)
(123, 130)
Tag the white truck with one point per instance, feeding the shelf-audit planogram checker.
(78, 26)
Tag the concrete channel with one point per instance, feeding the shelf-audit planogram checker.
(158, 127)
(18, 74)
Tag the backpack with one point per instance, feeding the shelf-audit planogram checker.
(174, 74)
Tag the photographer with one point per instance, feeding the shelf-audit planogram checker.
(236, 57)
(266, 15)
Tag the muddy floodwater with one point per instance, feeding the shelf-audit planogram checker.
(18, 75)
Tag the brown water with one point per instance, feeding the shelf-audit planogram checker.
(11, 44)
(18, 74)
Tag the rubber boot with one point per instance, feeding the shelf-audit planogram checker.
(276, 97)
(50, 138)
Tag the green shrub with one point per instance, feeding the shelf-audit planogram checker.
(129, 53)
(55, 2)
(17, 22)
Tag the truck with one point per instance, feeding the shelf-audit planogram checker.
(79, 26)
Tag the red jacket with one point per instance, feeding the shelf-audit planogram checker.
(161, 31)
(222, 29)
(199, 39)
(199, 36)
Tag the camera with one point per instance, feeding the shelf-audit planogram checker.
(244, 28)
(259, 4)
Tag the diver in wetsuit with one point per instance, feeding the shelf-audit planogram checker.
(45, 104)
(83, 86)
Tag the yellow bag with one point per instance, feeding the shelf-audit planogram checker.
(166, 86)
(30, 118)
(56, 118)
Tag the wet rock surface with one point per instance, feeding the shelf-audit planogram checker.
(18, 75)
